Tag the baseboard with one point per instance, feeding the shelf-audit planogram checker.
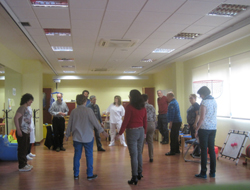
(39, 143)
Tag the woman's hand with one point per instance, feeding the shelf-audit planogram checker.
(105, 134)
(196, 133)
(19, 133)
(117, 137)
(194, 126)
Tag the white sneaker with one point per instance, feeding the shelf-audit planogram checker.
(29, 158)
(112, 144)
(25, 169)
(32, 155)
(29, 166)
(124, 144)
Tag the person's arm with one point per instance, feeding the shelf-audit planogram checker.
(196, 119)
(52, 109)
(145, 123)
(96, 124)
(16, 120)
(108, 112)
(171, 113)
(69, 127)
(125, 121)
(99, 114)
(201, 119)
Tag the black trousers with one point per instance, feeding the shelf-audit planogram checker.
(98, 139)
(22, 143)
(174, 136)
(58, 124)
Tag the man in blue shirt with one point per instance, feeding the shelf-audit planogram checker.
(86, 94)
(174, 120)
(96, 111)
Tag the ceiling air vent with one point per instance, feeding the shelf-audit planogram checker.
(117, 43)
(25, 23)
(99, 69)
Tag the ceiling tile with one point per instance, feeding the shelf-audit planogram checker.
(87, 15)
(114, 15)
(52, 13)
(163, 5)
(55, 23)
(128, 5)
(198, 29)
(156, 17)
(23, 12)
(87, 4)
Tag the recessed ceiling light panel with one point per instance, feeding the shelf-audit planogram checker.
(68, 66)
(136, 67)
(69, 71)
(57, 32)
(159, 50)
(129, 72)
(65, 59)
(148, 60)
(49, 3)
(228, 10)
(61, 48)
(186, 36)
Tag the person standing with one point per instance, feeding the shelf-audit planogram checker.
(206, 130)
(82, 122)
(96, 111)
(32, 136)
(135, 123)
(58, 110)
(151, 119)
(22, 122)
(116, 112)
(162, 117)
(192, 120)
(86, 94)
(175, 121)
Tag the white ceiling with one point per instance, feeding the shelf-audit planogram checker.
(152, 22)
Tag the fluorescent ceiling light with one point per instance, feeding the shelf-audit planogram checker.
(82, 77)
(2, 77)
(61, 48)
(57, 32)
(69, 71)
(159, 50)
(49, 3)
(129, 72)
(68, 66)
(228, 10)
(148, 60)
(186, 36)
(65, 59)
(2, 71)
(136, 67)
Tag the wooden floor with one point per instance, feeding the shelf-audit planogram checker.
(54, 170)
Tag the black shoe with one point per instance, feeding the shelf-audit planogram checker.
(139, 176)
(197, 155)
(170, 153)
(164, 142)
(101, 149)
(133, 180)
(92, 177)
(177, 152)
(212, 175)
(58, 149)
(63, 149)
(76, 177)
(201, 176)
(151, 160)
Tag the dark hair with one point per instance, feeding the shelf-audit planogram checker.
(145, 97)
(85, 91)
(193, 95)
(119, 100)
(25, 98)
(204, 91)
(136, 99)
(80, 99)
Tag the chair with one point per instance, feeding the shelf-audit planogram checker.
(8, 151)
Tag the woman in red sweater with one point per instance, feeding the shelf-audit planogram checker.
(135, 123)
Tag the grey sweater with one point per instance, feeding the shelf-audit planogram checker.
(81, 124)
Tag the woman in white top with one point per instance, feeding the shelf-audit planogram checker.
(32, 136)
(116, 112)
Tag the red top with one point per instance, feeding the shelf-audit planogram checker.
(134, 118)
(162, 105)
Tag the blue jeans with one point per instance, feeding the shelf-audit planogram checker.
(206, 138)
(89, 157)
(163, 126)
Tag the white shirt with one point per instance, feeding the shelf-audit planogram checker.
(116, 113)
(32, 127)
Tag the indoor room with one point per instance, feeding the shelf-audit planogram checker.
(110, 47)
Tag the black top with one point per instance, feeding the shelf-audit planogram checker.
(191, 113)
